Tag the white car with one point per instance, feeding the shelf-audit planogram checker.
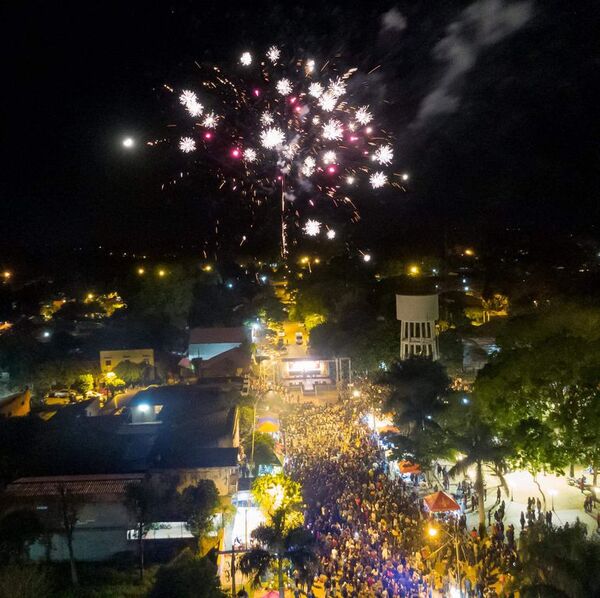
(299, 338)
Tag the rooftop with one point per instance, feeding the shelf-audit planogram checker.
(207, 336)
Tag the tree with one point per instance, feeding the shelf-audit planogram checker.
(24, 582)
(415, 391)
(187, 576)
(129, 372)
(557, 562)
(18, 530)
(84, 383)
(142, 500)
(478, 445)
(544, 385)
(69, 506)
(278, 543)
(279, 495)
(198, 505)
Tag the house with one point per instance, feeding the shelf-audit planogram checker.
(206, 343)
(109, 360)
(185, 433)
(103, 521)
(16, 405)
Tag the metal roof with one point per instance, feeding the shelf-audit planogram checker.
(79, 485)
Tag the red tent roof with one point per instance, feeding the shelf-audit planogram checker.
(438, 502)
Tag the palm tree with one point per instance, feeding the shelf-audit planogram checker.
(557, 562)
(479, 446)
(416, 390)
(277, 544)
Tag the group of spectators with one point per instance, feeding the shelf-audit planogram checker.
(369, 527)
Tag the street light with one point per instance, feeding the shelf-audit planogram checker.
(161, 273)
(128, 142)
(433, 532)
(141, 271)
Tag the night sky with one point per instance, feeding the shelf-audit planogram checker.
(494, 106)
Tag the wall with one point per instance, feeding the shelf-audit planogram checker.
(209, 350)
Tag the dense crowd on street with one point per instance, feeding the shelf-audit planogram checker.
(370, 528)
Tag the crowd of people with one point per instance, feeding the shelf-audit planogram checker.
(370, 527)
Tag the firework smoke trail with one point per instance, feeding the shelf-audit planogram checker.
(287, 126)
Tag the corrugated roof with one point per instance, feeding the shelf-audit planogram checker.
(202, 336)
(77, 485)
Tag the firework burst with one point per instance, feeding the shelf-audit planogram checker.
(290, 135)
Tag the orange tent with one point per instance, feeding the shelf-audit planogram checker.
(408, 467)
(439, 502)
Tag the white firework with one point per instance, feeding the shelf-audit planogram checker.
(188, 97)
(378, 179)
(272, 137)
(187, 145)
(246, 59)
(266, 119)
(289, 151)
(284, 87)
(333, 130)
(329, 157)
(363, 116)
(195, 109)
(249, 155)
(328, 102)
(315, 90)
(308, 167)
(312, 228)
(273, 54)
(210, 120)
(331, 234)
(384, 154)
(336, 88)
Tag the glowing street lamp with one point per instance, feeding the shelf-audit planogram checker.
(128, 142)
(414, 270)
(161, 273)
(141, 271)
(6, 274)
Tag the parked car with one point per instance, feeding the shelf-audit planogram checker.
(299, 338)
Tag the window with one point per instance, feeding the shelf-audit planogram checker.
(412, 329)
(108, 362)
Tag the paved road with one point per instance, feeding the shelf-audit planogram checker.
(294, 350)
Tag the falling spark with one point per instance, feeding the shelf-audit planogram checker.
(333, 130)
(378, 179)
(249, 155)
(363, 116)
(310, 66)
(384, 154)
(350, 180)
(312, 228)
(329, 157)
(272, 137)
(188, 97)
(308, 167)
(284, 87)
(405, 177)
(187, 145)
(246, 59)
(315, 90)
(331, 234)
(273, 54)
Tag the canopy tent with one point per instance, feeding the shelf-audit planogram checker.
(268, 425)
(440, 502)
(408, 467)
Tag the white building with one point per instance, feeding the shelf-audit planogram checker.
(418, 334)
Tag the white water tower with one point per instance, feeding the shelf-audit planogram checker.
(418, 334)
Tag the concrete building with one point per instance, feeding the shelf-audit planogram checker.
(418, 333)
(109, 360)
(206, 343)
